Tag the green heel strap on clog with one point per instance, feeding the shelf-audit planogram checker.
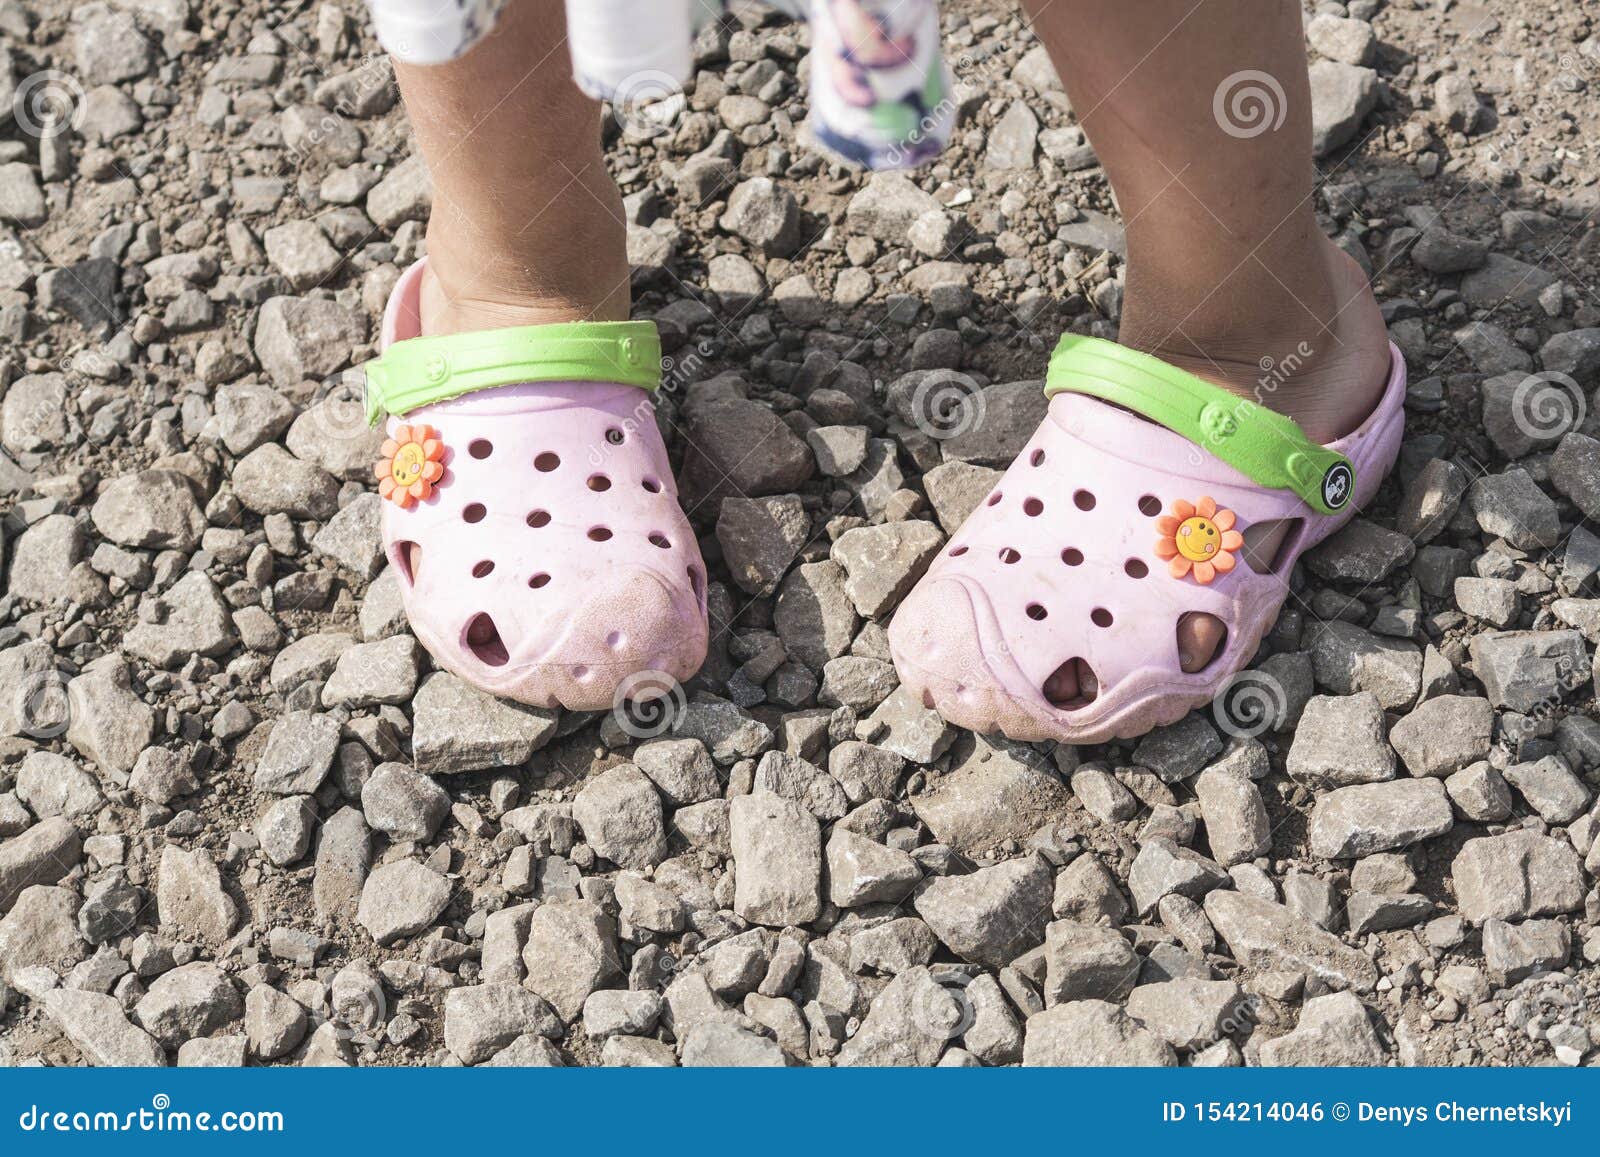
(1266, 447)
(424, 370)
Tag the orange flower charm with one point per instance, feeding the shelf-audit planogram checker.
(413, 460)
(1198, 537)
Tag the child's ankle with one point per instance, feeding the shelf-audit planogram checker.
(459, 294)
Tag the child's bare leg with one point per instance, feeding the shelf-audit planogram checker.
(1227, 267)
(527, 226)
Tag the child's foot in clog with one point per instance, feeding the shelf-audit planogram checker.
(530, 510)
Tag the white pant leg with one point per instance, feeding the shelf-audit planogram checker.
(431, 31)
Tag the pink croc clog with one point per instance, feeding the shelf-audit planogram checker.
(530, 511)
(1125, 511)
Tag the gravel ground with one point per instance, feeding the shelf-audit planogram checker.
(243, 819)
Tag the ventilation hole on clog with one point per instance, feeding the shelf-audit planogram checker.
(483, 640)
(599, 483)
(927, 698)
(615, 640)
(1149, 506)
(1083, 500)
(1100, 617)
(994, 499)
(1008, 556)
(547, 462)
(473, 512)
(697, 583)
(1071, 685)
(1266, 544)
(599, 534)
(539, 580)
(539, 518)
(1032, 507)
(580, 672)
(1037, 458)
(1135, 568)
(661, 540)
(480, 447)
(615, 436)
(958, 551)
(483, 569)
(1037, 613)
(1072, 556)
(406, 558)
(653, 485)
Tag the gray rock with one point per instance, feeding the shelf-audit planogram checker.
(1511, 506)
(1443, 735)
(40, 932)
(571, 952)
(285, 829)
(1177, 751)
(1162, 868)
(1513, 952)
(1334, 1030)
(777, 854)
(161, 776)
(620, 814)
(681, 769)
(101, 1031)
(1087, 962)
(298, 755)
(153, 509)
(863, 871)
(353, 537)
(194, 621)
(1237, 827)
(43, 854)
(482, 1019)
(1516, 875)
(1575, 471)
(814, 615)
(368, 674)
(910, 1022)
(1340, 741)
(1480, 793)
(1188, 1013)
(1268, 937)
(999, 792)
(403, 804)
(993, 915)
(344, 852)
(305, 337)
(1362, 552)
(1347, 659)
(765, 215)
(1550, 787)
(1378, 817)
(400, 899)
(270, 480)
(1524, 670)
(53, 785)
(273, 1023)
(1092, 1034)
(882, 563)
(250, 414)
(1504, 279)
(189, 1001)
(796, 779)
(458, 728)
(1341, 97)
(722, 1044)
(48, 564)
(35, 415)
(301, 252)
(887, 206)
(1431, 500)
(1013, 140)
(760, 538)
(956, 489)
(190, 900)
(909, 729)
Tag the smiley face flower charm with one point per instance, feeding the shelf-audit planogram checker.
(413, 461)
(1199, 539)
